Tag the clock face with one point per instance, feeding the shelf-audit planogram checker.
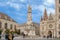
(50, 26)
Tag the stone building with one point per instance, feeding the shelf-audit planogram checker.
(30, 28)
(7, 23)
(50, 25)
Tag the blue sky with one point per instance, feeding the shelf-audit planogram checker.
(17, 9)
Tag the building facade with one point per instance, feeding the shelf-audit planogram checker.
(29, 28)
(50, 25)
(7, 23)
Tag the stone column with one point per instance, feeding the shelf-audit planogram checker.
(3, 28)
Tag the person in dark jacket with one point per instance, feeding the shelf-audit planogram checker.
(12, 36)
(6, 36)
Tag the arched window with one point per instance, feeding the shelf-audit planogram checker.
(59, 32)
(50, 26)
(3, 17)
(11, 26)
(14, 26)
(0, 24)
(5, 25)
(59, 1)
(59, 26)
(59, 16)
(43, 28)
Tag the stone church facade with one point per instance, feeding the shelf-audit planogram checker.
(50, 25)
(30, 28)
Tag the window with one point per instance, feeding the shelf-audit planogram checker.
(5, 25)
(43, 28)
(3, 17)
(59, 1)
(59, 9)
(59, 26)
(0, 24)
(59, 16)
(0, 16)
(11, 26)
(59, 32)
(50, 26)
(15, 27)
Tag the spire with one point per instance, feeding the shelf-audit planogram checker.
(29, 9)
(29, 20)
(41, 18)
(45, 15)
(50, 16)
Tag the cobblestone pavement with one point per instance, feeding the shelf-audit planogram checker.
(20, 38)
(36, 39)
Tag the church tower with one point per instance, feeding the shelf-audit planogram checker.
(57, 12)
(29, 18)
(57, 9)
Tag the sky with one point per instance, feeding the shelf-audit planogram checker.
(18, 9)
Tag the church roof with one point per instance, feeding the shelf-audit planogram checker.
(5, 17)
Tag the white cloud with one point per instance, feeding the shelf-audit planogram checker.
(49, 2)
(22, 0)
(15, 5)
(41, 7)
(2, 4)
(20, 14)
(50, 10)
(38, 7)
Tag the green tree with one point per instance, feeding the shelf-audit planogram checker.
(0, 31)
(17, 31)
(7, 31)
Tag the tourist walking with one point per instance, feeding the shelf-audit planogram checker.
(12, 36)
(0, 36)
(6, 36)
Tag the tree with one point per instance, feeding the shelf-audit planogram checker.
(7, 31)
(0, 31)
(17, 31)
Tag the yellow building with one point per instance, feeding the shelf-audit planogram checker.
(7, 23)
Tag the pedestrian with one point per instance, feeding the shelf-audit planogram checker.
(6, 37)
(0, 36)
(12, 36)
(23, 34)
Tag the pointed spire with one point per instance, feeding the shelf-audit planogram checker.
(50, 16)
(45, 15)
(29, 9)
(41, 18)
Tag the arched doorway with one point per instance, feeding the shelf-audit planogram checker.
(49, 34)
